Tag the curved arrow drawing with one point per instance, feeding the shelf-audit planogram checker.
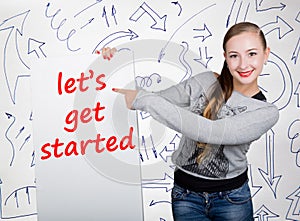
(180, 8)
(286, 93)
(159, 22)
(14, 31)
(269, 175)
(10, 116)
(185, 64)
(283, 27)
(155, 202)
(114, 36)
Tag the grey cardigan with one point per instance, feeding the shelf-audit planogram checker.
(241, 120)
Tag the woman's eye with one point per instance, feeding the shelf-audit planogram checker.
(233, 56)
(252, 54)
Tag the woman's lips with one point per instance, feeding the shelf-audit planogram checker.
(245, 73)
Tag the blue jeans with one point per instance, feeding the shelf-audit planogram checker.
(233, 205)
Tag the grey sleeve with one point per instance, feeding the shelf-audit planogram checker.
(181, 94)
(239, 129)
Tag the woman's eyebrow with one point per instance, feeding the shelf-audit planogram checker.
(251, 49)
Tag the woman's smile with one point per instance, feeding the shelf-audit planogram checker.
(245, 74)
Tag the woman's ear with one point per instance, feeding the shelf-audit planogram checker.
(267, 52)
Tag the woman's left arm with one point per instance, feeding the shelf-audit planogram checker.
(238, 129)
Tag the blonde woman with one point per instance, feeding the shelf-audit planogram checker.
(219, 116)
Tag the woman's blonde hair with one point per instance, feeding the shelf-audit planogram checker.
(222, 89)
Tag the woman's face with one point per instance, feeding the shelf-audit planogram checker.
(245, 57)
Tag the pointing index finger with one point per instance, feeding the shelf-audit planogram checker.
(118, 90)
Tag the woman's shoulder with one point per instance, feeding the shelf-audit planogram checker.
(205, 78)
(208, 74)
(252, 103)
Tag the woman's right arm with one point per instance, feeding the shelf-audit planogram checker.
(182, 93)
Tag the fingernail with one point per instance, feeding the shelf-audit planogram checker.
(114, 89)
(97, 52)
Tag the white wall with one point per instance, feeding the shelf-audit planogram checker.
(185, 30)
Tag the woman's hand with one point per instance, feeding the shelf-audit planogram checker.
(129, 96)
(107, 53)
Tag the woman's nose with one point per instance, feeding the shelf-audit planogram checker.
(243, 63)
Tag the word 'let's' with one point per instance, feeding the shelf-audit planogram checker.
(72, 84)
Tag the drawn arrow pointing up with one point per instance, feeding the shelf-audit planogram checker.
(263, 214)
(166, 152)
(297, 93)
(296, 52)
(14, 26)
(294, 209)
(280, 25)
(159, 22)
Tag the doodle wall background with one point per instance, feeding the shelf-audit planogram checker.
(168, 42)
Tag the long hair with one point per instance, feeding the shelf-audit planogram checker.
(222, 89)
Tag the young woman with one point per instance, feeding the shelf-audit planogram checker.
(218, 116)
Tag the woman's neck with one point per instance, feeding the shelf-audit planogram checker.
(247, 90)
